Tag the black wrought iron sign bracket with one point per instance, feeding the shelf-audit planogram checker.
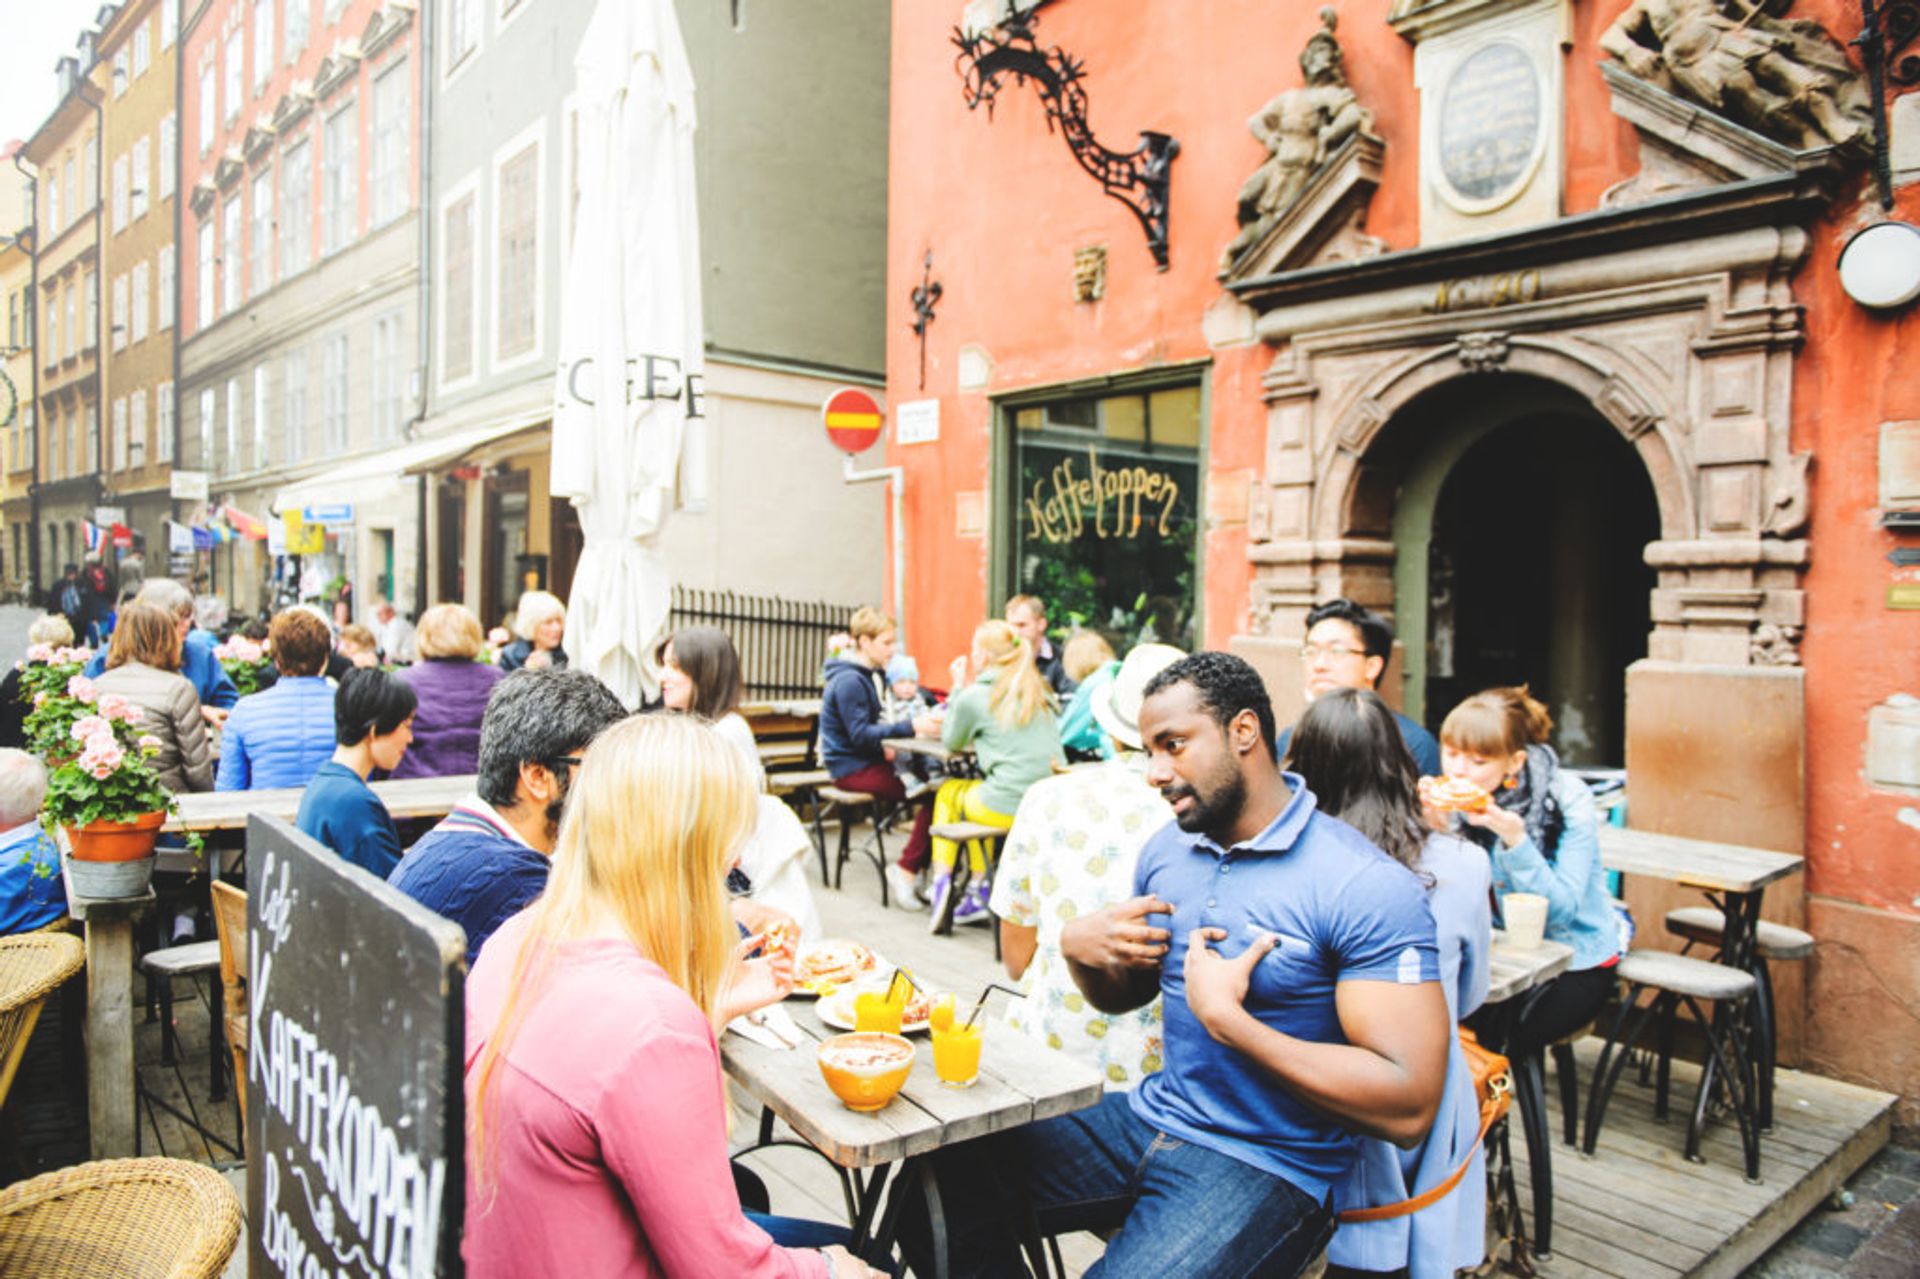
(925, 296)
(1886, 28)
(1138, 178)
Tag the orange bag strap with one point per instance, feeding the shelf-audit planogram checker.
(1492, 1107)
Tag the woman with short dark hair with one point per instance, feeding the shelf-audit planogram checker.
(373, 722)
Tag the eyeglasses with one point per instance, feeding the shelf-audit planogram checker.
(1336, 651)
(569, 761)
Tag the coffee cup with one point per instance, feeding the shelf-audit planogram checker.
(1525, 917)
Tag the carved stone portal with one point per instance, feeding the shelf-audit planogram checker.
(1301, 129)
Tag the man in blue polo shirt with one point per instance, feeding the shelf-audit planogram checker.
(1299, 981)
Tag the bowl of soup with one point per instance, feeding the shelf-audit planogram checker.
(866, 1069)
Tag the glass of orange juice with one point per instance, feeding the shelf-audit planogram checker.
(956, 1047)
(873, 1011)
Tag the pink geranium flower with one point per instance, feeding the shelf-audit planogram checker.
(40, 653)
(81, 688)
(114, 706)
(149, 743)
(88, 725)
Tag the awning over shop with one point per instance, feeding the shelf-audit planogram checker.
(347, 482)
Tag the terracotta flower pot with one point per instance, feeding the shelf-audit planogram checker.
(116, 841)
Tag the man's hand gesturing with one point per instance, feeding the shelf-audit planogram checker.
(1119, 937)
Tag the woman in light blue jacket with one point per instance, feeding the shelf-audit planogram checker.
(1542, 833)
(1349, 748)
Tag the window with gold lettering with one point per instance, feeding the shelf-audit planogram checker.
(1103, 515)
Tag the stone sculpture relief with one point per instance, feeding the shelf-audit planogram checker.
(1775, 645)
(1301, 128)
(1785, 78)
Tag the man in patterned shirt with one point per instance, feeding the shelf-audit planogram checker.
(1071, 852)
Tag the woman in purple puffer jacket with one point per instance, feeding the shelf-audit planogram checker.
(452, 685)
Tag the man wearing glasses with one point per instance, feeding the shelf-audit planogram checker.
(1348, 646)
(488, 857)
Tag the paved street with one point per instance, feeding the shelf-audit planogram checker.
(14, 621)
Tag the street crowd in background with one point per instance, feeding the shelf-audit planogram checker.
(1280, 1052)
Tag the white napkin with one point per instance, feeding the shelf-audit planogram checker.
(771, 1028)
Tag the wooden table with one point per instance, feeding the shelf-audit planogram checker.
(931, 747)
(1020, 1081)
(1735, 879)
(228, 810)
(111, 1109)
(789, 707)
(1513, 971)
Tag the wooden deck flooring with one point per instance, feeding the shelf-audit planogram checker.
(1637, 1208)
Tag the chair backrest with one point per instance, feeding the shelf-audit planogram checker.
(32, 966)
(120, 1217)
(230, 925)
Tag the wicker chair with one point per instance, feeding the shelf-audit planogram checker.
(32, 966)
(130, 1218)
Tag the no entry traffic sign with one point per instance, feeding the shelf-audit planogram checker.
(853, 419)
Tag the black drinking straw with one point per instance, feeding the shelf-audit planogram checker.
(981, 1002)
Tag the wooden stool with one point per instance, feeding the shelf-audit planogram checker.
(1678, 979)
(1705, 925)
(964, 833)
(844, 802)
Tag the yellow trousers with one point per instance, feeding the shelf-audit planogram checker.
(959, 801)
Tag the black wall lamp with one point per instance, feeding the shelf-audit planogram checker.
(1886, 28)
(1138, 178)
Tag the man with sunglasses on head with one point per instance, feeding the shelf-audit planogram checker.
(488, 857)
(1348, 646)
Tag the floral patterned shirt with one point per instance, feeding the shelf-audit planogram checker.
(1072, 850)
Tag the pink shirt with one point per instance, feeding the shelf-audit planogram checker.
(606, 1129)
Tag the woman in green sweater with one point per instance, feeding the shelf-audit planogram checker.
(1007, 718)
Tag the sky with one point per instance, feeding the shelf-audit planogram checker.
(33, 36)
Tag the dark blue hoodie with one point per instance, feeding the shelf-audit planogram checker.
(851, 734)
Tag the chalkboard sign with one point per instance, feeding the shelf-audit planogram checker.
(354, 1066)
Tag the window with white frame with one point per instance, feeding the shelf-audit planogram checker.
(392, 102)
(164, 299)
(51, 180)
(262, 43)
(69, 174)
(119, 312)
(91, 283)
(260, 235)
(206, 428)
(56, 447)
(459, 263)
(203, 275)
(389, 396)
(208, 106)
(295, 395)
(142, 299)
(517, 299)
(53, 323)
(163, 422)
(236, 460)
(463, 31)
(169, 23)
(296, 210)
(73, 321)
(299, 14)
(89, 173)
(137, 429)
(122, 74)
(90, 436)
(119, 194)
(334, 388)
(236, 74)
(140, 182)
(117, 448)
(142, 50)
(230, 229)
(261, 416)
(340, 180)
(169, 147)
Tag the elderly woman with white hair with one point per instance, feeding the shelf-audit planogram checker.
(31, 895)
(541, 623)
(197, 663)
(53, 630)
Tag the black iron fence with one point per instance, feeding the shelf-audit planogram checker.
(782, 643)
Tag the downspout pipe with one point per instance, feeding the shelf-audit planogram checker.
(100, 317)
(423, 103)
(33, 343)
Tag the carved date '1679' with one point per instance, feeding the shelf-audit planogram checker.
(1473, 292)
(1060, 516)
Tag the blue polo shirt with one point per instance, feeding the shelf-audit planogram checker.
(1342, 911)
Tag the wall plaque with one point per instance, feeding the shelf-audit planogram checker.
(1491, 126)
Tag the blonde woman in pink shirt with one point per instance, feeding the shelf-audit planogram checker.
(597, 1140)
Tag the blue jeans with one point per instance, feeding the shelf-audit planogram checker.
(1180, 1209)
